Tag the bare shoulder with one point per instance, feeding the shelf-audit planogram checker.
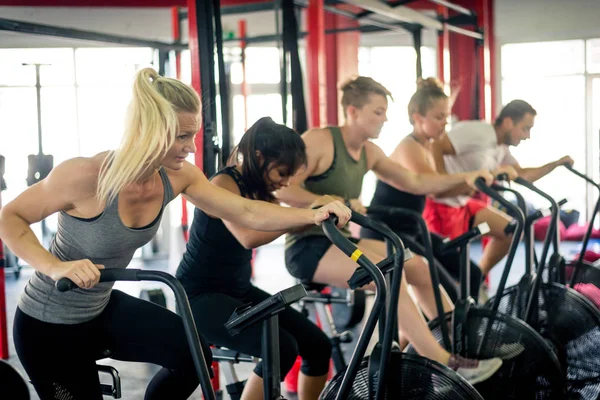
(315, 133)
(79, 172)
(319, 150)
(187, 175)
(374, 154)
(408, 147)
(317, 137)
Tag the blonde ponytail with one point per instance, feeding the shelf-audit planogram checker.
(150, 129)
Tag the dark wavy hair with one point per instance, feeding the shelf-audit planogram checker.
(279, 145)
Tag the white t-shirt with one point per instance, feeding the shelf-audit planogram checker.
(476, 147)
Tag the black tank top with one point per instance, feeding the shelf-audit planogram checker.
(214, 260)
(388, 196)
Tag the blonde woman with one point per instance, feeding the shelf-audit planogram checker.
(109, 205)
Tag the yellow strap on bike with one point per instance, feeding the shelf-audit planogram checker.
(356, 255)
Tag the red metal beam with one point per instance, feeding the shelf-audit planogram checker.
(341, 56)
(487, 60)
(443, 51)
(315, 62)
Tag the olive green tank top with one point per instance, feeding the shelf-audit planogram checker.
(343, 178)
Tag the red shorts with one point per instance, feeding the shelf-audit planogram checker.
(449, 221)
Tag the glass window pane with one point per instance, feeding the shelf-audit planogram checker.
(57, 71)
(429, 61)
(110, 66)
(59, 123)
(543, 59)
(262, 65)
(364, 61)
(593, 56)
(265, 105)
(16, 74)
(101, 117)
(18, 136)
(186, 67)
(559, 130)
(393, 67)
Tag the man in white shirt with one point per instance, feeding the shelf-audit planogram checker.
(475, 145)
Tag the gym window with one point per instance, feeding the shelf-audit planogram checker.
(559, 80)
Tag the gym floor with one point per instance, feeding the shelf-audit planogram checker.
(269, 274)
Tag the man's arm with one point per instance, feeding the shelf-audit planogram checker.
(533, 174)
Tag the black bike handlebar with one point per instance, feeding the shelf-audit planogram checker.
(119, 274)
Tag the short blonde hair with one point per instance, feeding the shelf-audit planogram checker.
(150, 130)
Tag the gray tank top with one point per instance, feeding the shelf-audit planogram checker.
(103, 240)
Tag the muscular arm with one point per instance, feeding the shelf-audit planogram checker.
(248, 238)
(399, 177)
(252, 214)
(68, 183)
(533, 174)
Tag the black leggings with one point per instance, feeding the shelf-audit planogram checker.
(297, 334)
(60, 359)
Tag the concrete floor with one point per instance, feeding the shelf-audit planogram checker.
(270, 275)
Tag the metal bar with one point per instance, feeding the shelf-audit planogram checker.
(453, 6)
(206, 47)
(50, 30)
(408, 15)
(396, 4)
(270, 349)
(417, 40)
(240, 9)
(304, 3)
(224, 78)
(348, 14)
(301, 35)
(465, 32)
(163, 60)
(401, 13)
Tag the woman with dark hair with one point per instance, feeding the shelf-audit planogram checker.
(216, 269)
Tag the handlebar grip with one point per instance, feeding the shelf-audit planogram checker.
(65, 284)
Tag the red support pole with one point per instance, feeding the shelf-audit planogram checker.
(341, 55)
(315, 61)
(443, 53)
(487, 59)
(331, 50)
